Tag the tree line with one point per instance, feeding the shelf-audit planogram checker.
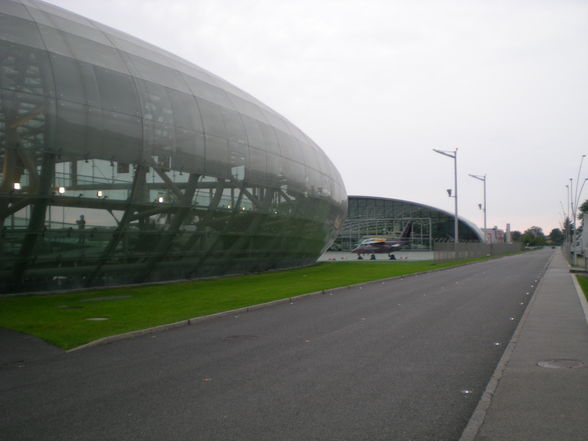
(534, 237)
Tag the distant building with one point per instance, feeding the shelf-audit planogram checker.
(376, 216)
(495, 235)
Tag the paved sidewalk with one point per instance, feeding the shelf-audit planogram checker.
(536, 403)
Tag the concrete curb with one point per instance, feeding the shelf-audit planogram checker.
(477, 419)
(232, 312)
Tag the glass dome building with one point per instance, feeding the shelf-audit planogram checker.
(374, 216)
(123, 163)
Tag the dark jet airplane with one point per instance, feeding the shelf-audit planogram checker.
(377, 245)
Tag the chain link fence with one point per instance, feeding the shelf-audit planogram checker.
(450, 251)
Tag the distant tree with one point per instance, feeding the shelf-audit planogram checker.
(583, 209)
(534, 237)
(556, 236)
(516, 236)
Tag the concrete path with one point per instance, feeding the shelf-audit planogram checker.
(525, 401)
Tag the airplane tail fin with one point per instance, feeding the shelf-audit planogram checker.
(407, 231)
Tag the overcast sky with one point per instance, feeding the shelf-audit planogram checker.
(379, 84)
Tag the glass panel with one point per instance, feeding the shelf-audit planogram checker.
(234, 125)
(157, 73)
(247, 107)
(270, 140)
(20, 31)
(238, 157)
(254, 133)
(75, 81)
(276, 121)
(217, 157)
(11, 8)
(275, 166)
(55, 41)
(71, 126)
(257, 165)
(85, 30)
(139, 49)
(36, 6)
(295, 174)
(289, 146)
(158, 139)
(122, 136)
(209, 92)
(117, 91)
(95, 53)
(186, 113)
(189, 150)
(23, 68)
(30, 120)
(155, 102)
(212, 117)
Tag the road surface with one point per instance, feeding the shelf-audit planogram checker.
(406, 359)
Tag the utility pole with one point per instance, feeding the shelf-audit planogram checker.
(453, 154)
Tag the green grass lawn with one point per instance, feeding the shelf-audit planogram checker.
(583, 281)
(61, 318)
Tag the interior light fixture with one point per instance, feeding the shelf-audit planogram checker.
(61, 190)
(160, 199)
(100, 193)
(16, 186)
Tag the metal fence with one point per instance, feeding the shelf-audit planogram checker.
(451, 251)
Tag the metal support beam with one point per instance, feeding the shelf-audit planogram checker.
(37, 220)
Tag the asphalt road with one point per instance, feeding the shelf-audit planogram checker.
(402, 360)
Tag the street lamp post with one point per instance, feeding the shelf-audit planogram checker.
(576, 197)
(483, 179)
(453, 154)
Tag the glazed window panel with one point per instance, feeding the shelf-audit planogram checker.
(137, 49)
(20, 31)
(32, 118)
(158, 138)
(186, 112)
(94, 130)
(25, 69)
(288, 145)
(55, 41)
(71, 127)
(189, 151)
(76, 27)
(75, 81)
(257, 164)
(253, 130)
(205, 90)
(247, 107)
(36, 6)
(212, 117)
(95, 53)
(270, 138)
(157, 73)
(234, 126)
(217, 157)
(117, 91)
(155, 102)
(276, 121)
(122, 136)
(275, 169)
(9, 7)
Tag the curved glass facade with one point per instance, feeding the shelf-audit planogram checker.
(372, 216)
(123, 163)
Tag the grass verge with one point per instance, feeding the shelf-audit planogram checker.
(62, 319)
(583, 281)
